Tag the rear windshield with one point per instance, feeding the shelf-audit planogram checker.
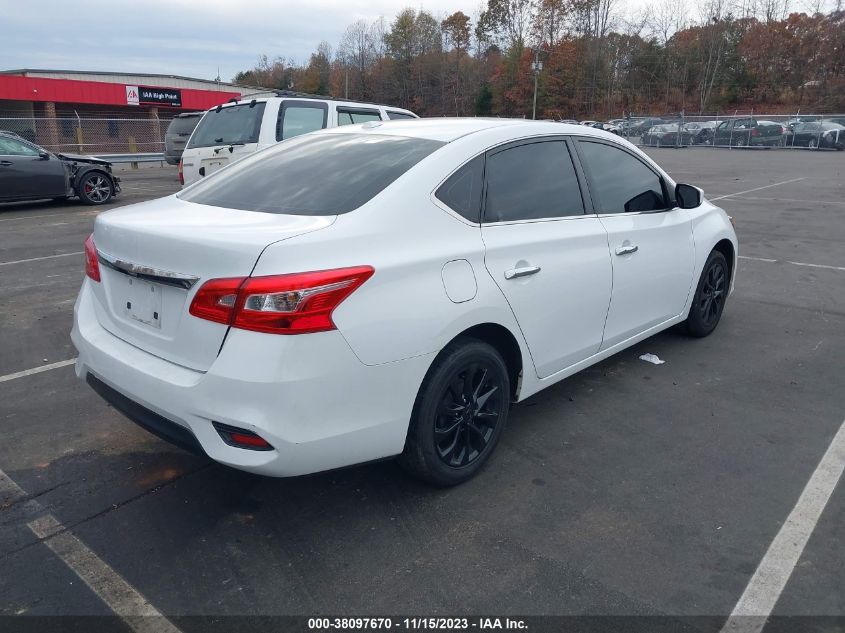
(183, 124)
(238, 124)
(321, 174)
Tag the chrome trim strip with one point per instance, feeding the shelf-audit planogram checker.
(165, 277)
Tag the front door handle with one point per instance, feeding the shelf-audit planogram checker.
(627, 249)
(5, 163)
(513, 273)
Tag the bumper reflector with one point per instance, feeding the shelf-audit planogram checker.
(241, 438)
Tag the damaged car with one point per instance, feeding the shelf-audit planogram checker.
(29, 172)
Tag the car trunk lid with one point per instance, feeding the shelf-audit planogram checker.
(154, 256)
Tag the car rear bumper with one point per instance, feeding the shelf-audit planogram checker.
(308, 396)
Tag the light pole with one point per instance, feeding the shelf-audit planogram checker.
(536, 67)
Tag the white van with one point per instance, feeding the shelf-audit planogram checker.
(234, 130)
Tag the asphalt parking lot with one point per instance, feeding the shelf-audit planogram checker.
(628, 489)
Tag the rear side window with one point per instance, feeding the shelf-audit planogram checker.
(462, 190)
(238, 124)
(300, 117)
(532, 182)
(348, 116)
(322, 174)
(399, 115)
(619, 182)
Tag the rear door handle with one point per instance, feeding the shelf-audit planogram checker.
(525, 271)
(5, 163)
(627, 249)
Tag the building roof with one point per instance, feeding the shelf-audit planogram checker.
(174, 81)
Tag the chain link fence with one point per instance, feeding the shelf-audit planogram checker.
(736, 129)
(78, 135)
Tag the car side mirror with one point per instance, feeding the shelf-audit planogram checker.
(44, 155)
(688, 197)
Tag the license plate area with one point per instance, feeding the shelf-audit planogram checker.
(214, 164)
(142, 302)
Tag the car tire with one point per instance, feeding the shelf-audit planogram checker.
(95, 187)
(708, 303)
(459, 414)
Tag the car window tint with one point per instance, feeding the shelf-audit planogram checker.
(296, 119)
(347, 116)
(399, 115)
(462, 190)
(530, 182)
(11, 147)
(233, 124)
(619, 182)
(320, 174)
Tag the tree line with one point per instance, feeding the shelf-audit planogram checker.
(598, 62)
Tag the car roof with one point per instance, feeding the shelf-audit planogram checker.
(448, 129)
(284, 96)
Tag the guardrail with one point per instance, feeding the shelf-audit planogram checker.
(143, 157)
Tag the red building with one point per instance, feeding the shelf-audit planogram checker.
(99, 111)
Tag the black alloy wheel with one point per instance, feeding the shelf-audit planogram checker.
(469, 411)
(710, 296)
(459, 414)
(95, 188)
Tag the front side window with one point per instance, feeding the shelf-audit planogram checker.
(531, 182)
(462, 190)
(12, 147)
(619, 182)
(348, 116)
(297, 117)
(233, 125)
(321, 174)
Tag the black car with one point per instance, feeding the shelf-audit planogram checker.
(667, 135)
(29, 172)
(817, 134)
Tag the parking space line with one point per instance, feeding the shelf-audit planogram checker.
(36, 259)
(766, 585)
(121, 597)
(786, 261)
(776, 184)
(37, 370)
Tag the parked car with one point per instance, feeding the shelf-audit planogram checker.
(805, 118)
(231, 131)
(748, 131)
(817, 134)
(569, 121)
(701, 131)
(30, 172)
(370, 291)
(177, 135)
(670, 134)
(638, 127)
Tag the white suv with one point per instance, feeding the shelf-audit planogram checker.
(234, 130)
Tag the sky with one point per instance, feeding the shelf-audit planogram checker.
(183, 37)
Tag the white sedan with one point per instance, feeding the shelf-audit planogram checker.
(390, 289)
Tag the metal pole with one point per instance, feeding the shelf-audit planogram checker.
(536, 66)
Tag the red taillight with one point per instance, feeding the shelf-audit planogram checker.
(755, 132)
(181, 173)
(215, 300)
(296, 303)
(92, 266)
